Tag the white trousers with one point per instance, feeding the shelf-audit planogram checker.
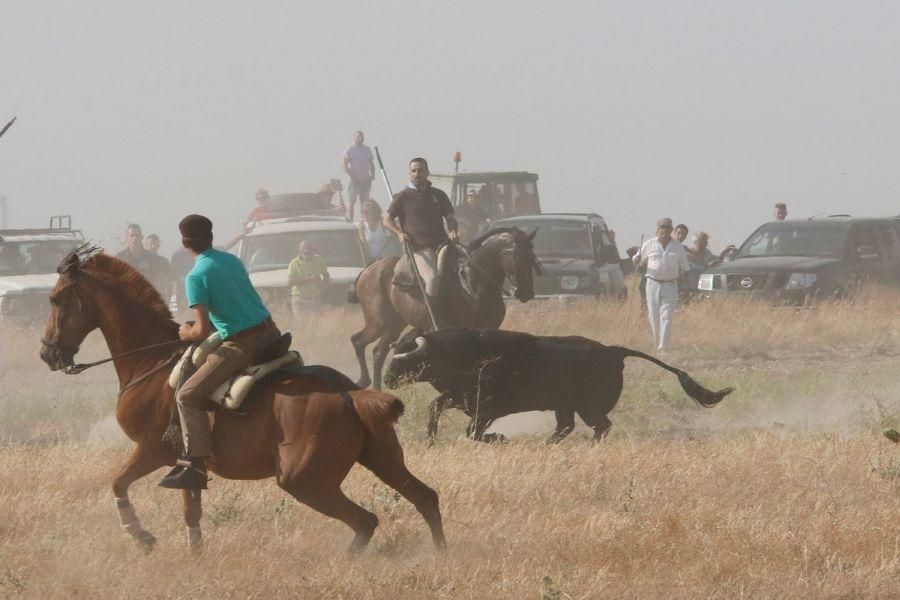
(662, 299)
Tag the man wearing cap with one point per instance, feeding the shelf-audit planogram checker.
(665, 261)
(220, 294)
(416, 216)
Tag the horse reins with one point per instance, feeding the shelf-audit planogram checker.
(500, 285)
(81, 367)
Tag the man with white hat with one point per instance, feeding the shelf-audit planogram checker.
(666, 261)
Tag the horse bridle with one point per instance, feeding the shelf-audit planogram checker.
(76, 368)
(498, 284)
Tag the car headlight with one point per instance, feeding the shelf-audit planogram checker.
(569, 282)
(800, 281)
(707, 281)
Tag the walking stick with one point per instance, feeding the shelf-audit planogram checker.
(634, 291)
(8, 125)
(406, 249)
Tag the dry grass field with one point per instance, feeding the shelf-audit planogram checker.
(785, 490)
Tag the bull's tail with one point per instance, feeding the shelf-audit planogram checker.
(377, 411)
(697, 392)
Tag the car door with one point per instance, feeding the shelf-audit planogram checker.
(865, 253)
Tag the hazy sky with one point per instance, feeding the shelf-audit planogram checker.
(708, 112)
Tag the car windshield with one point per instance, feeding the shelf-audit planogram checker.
(822, 240)
(570, 239)
(30, 258)
(271, 252)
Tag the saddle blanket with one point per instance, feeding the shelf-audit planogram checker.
(232, 393)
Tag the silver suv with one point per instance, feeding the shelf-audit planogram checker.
(270, 245)
(28, 261)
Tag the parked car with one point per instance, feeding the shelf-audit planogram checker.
(28, 261)
(793, 261)
(270, 245)
(577, 252)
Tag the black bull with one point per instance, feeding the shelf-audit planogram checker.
(491, 374)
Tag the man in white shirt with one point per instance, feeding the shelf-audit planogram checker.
(666, 261)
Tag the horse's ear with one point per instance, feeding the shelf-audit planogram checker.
(70, 265)
(532, 234)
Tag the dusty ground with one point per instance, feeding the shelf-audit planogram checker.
(787, 489)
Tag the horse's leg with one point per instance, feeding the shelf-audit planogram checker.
(139, 464)
(388, 337)
(360, 340)
(383, 455)
(315, 480)
(438, 406)
(193, 510)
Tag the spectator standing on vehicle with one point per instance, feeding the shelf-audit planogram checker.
(665, 262)
(680, 234)
(307, 276)
(359, 164)
(781, 211)
(261, 212)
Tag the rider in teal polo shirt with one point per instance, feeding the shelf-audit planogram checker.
(220, 294)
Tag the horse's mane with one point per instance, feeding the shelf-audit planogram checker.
(479, 241)
(122, 275)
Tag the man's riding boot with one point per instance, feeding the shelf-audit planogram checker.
(187, 475)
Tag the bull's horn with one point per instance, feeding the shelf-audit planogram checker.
(421, 343)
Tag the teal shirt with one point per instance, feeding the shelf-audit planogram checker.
(220, 282)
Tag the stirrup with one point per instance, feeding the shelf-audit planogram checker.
(185, 476)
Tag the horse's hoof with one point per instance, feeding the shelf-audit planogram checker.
(363, 383)
(146, 540)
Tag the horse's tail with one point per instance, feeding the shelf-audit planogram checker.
(352, 297)
(377, 411)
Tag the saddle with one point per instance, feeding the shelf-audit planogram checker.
(231, 394)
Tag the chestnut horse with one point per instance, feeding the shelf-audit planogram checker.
(305, 430)
(471, 300)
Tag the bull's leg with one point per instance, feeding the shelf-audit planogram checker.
(565, 423)
(360, 341)
(438, 406)
(193, 510)
(601, 429)
(595, 417)
(139, 464)
(388, 336)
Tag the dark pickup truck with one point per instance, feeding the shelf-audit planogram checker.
(794, 261)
